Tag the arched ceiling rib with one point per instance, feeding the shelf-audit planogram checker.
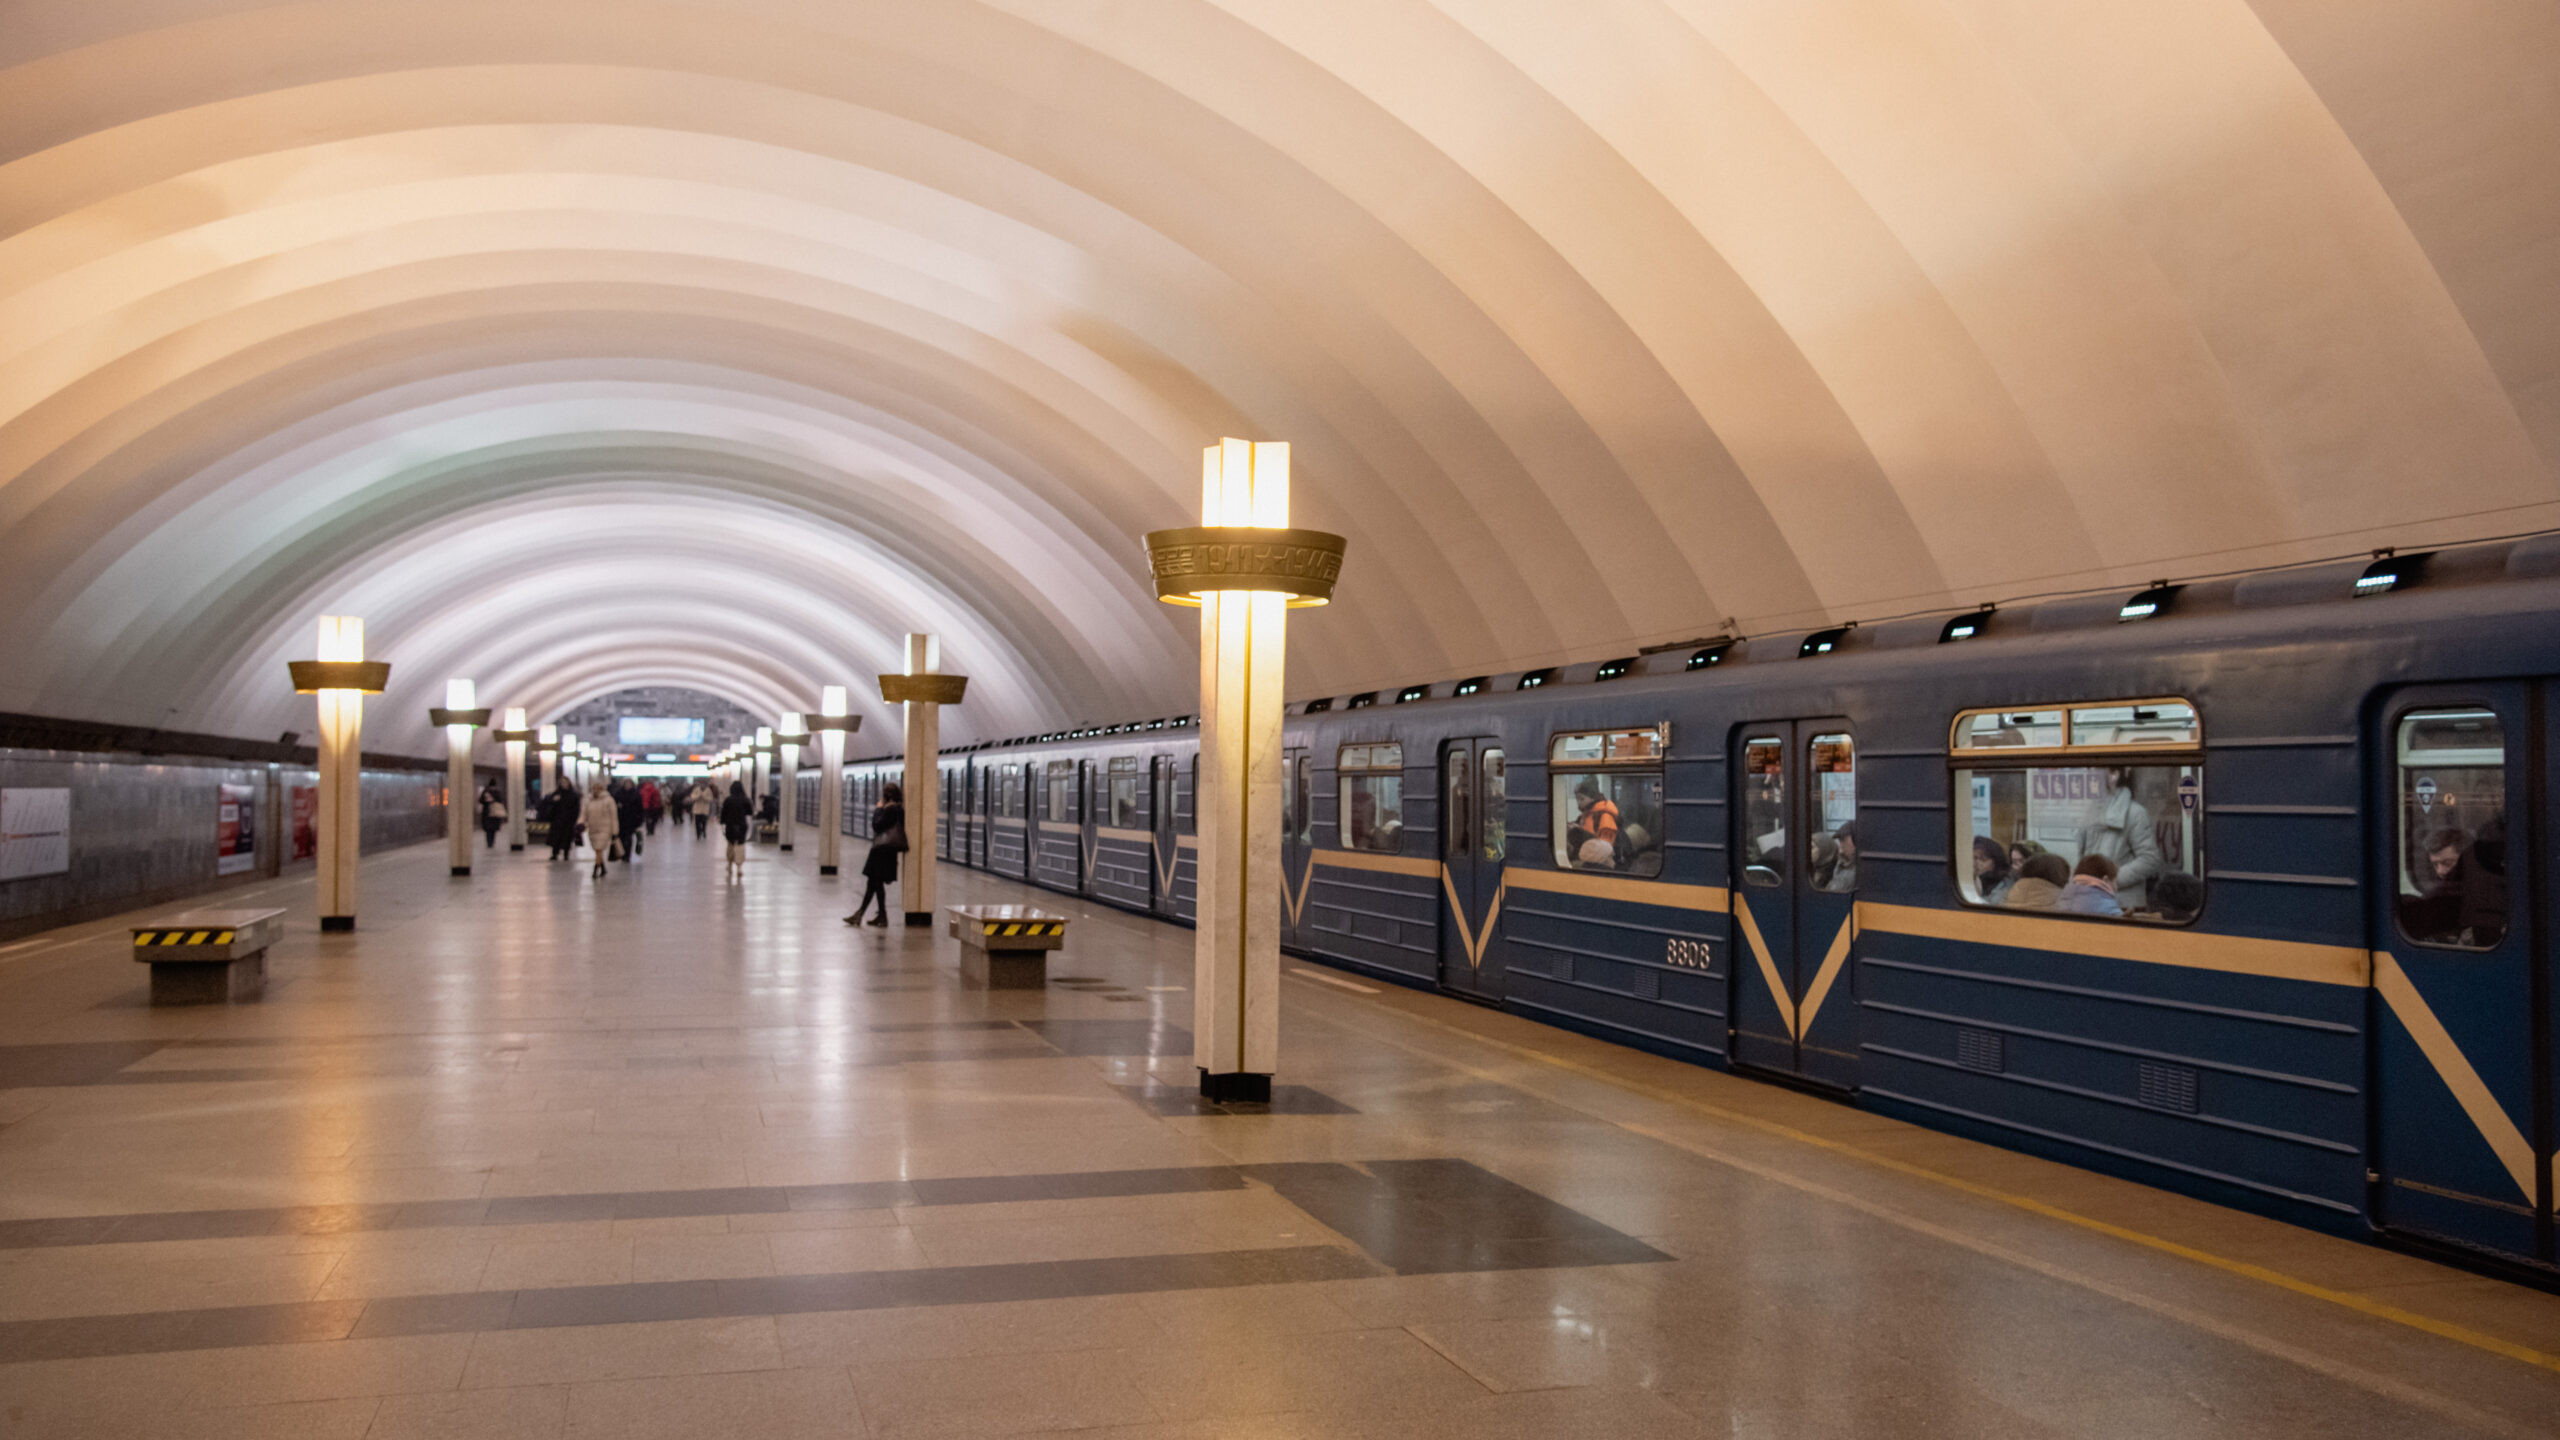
(594, 344)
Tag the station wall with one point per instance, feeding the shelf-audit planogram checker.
(143, 829)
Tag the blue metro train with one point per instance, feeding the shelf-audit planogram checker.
(2241, 888)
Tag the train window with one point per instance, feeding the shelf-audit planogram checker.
(2009, 730)
(1372, 780)
(1606, 789)
(2118, 840)
(1457, 788)
(1062, 791)
(1301, 801)
(1764, 810)
(1124, 791)
(1013, 786)
(2453, 829)
(1494, 808)
(1831, 780)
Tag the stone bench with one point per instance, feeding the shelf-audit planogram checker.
(207, 957)
(1006, 947)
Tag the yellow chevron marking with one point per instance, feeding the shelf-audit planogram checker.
(198, 938)
(223, 939)
(1298, 901)
(173, 937)
(1830, 971)
(1768, 967)
(1474, 942)
(2454, 1068)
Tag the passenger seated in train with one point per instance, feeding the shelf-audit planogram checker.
(1597, 813)
(2460, 888)
(1595, 854)
(2039, 883)
(2176, 898)
(2092, 890)
(1993, 873)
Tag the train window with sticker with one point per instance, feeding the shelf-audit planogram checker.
(1605, 808)
(2088, 810)
(1371, 778)
(1124, 791)
(1062, 791)
(2452, 870)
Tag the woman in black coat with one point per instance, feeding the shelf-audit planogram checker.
(888, 841)
(733, 826)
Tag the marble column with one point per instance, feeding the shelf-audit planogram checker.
(1244, 566)
(459, 718)
(832, 725)
(923, 690)
(788, 735)
(513, 736)
(341, 677)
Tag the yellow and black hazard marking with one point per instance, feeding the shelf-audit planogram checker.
(1010, 929)
(183, 937)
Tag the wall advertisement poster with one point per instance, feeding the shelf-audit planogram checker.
(35, 832)
(235, 830)
(304, 802)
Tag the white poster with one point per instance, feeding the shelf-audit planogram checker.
(235, 830)
(35, 833)
(2059, 804)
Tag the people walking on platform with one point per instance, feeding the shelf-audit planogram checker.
(560, 812)
(704, 800)
(493, 812)
(888, 842)
(735, 814)
(653, 805)
(604, 821)
(626, 802)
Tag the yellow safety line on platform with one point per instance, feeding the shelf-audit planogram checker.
(2376, 1309)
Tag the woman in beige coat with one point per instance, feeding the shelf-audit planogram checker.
(604, 821)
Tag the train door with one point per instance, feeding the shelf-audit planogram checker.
(2464, 1099)
(1091, 803)
(1297, 841)
(1473, 839)
(1164, 850)
(1796, 793)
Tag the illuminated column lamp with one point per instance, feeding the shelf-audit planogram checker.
(341, 677)
(1245, 568)
(788, 735)
(513, 735)
(924, 690)
(459, 719)
(831, 725)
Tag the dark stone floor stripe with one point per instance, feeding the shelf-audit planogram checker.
(1425, 1217)
(45, 1233)
(92, 1336)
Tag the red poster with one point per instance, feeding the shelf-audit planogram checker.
(304, 801)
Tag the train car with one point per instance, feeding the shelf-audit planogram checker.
(2307, 973)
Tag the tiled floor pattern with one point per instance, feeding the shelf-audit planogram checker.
(535, 1156)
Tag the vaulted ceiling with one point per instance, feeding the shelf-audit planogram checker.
(585, 344)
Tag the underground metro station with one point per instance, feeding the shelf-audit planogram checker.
(1288, 721)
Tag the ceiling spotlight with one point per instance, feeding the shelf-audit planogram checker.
(1965, 627)
(2388, 572)
(2150, 602)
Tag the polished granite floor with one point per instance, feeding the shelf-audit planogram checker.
(530, 1155)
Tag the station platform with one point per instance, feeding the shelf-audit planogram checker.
(534, 1155)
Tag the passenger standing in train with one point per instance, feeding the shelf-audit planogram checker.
(2484, 886)
(560, 819)
(493, 812)
(2092, 890)
(888, 842)
(704, 802)
(604, 821)
(2121, 831)
(1843, 876)
(733, 827)
(1992, 874)
(2039, 883)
